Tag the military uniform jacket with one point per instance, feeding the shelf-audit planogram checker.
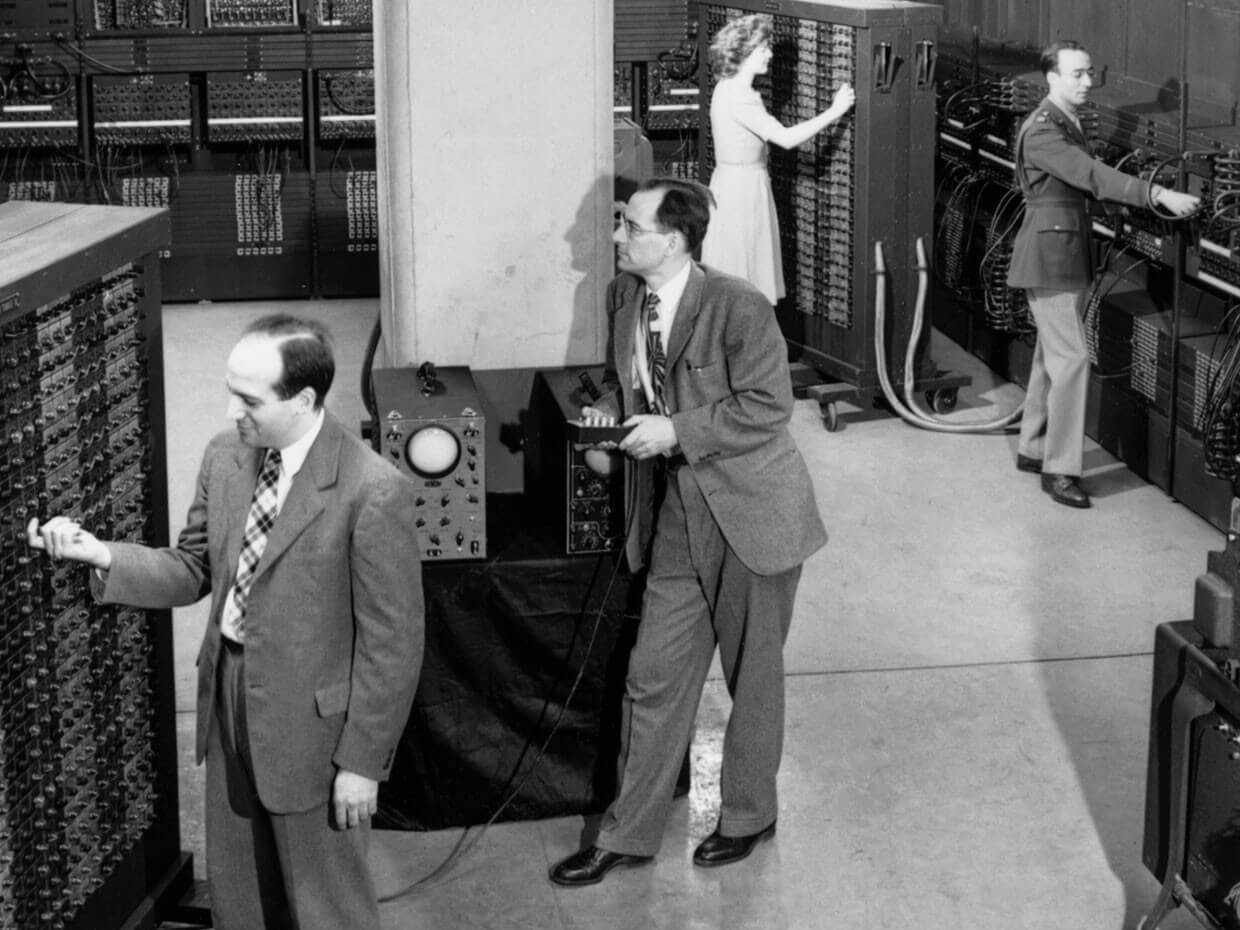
(1058, 177)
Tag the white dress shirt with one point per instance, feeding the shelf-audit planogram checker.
(669, 303)
(292, 457)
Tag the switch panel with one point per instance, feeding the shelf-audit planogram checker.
(87, 740)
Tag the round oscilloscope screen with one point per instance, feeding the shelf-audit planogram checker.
(433, 451)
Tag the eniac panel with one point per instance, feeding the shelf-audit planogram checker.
(30, 19)
(869, 179)
(89, 835)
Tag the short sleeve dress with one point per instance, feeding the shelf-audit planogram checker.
(743, 235)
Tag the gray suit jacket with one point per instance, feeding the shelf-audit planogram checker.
(334, 624)
(731, 396)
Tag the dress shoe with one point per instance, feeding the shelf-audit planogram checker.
(1031, 465)
(588, 866)
(717, 849)
(1065, 489)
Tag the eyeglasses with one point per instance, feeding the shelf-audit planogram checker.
(632, 230)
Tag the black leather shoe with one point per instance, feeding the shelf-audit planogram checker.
(717, 849)
(1031, 465)
(1065, 489)
(590, 865)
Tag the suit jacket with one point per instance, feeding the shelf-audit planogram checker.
(1058, 176)
(334, 622)
(731, 395)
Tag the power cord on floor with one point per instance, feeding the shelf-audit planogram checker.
(909, 409)
(465, 843)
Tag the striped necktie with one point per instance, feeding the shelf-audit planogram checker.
(655, 355)
(258, 525)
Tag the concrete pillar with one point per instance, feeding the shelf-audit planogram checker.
(495, 159)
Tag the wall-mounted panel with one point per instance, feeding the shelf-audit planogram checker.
(1018, 22)
(1213, 65)
(1153, 54)
(644, 28)
(1100, 26)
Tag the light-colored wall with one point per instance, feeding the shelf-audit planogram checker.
(495, 189)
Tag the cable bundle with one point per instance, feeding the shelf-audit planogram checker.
(951, 244)
(1006, 309)
(1093, 305)
(1221, 416)
(1225, 205)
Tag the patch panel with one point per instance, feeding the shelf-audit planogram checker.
(257, 106)
(148, 109)
(346, 104)
(134, 15)
(87, 749)
(250, 14)
(344, 13)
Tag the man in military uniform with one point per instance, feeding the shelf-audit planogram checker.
(1053, 262)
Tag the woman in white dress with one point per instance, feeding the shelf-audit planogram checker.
(743, 236)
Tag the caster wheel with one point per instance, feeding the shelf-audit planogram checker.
(831, 418)
(942, 400)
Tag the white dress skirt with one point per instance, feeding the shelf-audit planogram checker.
(743, 235)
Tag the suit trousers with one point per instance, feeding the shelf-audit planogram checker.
(1052, 427)
(699, 595)
(270, 871)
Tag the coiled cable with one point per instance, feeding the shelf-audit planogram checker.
(909, 409)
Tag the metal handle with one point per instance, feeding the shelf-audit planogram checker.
(927, 61)
(884, 67)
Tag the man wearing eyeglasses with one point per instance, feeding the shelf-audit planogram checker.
(722, 511)
(1052, 261)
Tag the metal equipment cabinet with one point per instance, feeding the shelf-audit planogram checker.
(869, 179)
(89, 828)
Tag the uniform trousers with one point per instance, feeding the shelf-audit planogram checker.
(699, 595)
(1052, 427)
(270, 871)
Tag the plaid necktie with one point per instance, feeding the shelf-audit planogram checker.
(655, 355)
(258, 524)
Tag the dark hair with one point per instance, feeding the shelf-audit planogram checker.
(305, 351)
(685, 207)
(1050, 54)
(736, 41)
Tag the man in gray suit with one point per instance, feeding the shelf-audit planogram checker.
(307, 670)
(698, 369)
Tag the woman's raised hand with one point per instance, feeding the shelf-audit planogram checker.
(845, 97)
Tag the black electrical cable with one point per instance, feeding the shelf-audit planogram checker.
(90, 59)
(462, 847)
(1225, 205)
(1002, 311)
(329, 87)
(1093, 307)
(368, 367)
(24, 82)
(1149, 190)
(1221, 417)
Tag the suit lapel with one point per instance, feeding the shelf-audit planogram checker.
(686, 315)
(305, 500)
(624, 334)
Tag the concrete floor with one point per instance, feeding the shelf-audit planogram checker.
(968, 690)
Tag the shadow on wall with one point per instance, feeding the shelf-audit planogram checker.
(595, 262)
